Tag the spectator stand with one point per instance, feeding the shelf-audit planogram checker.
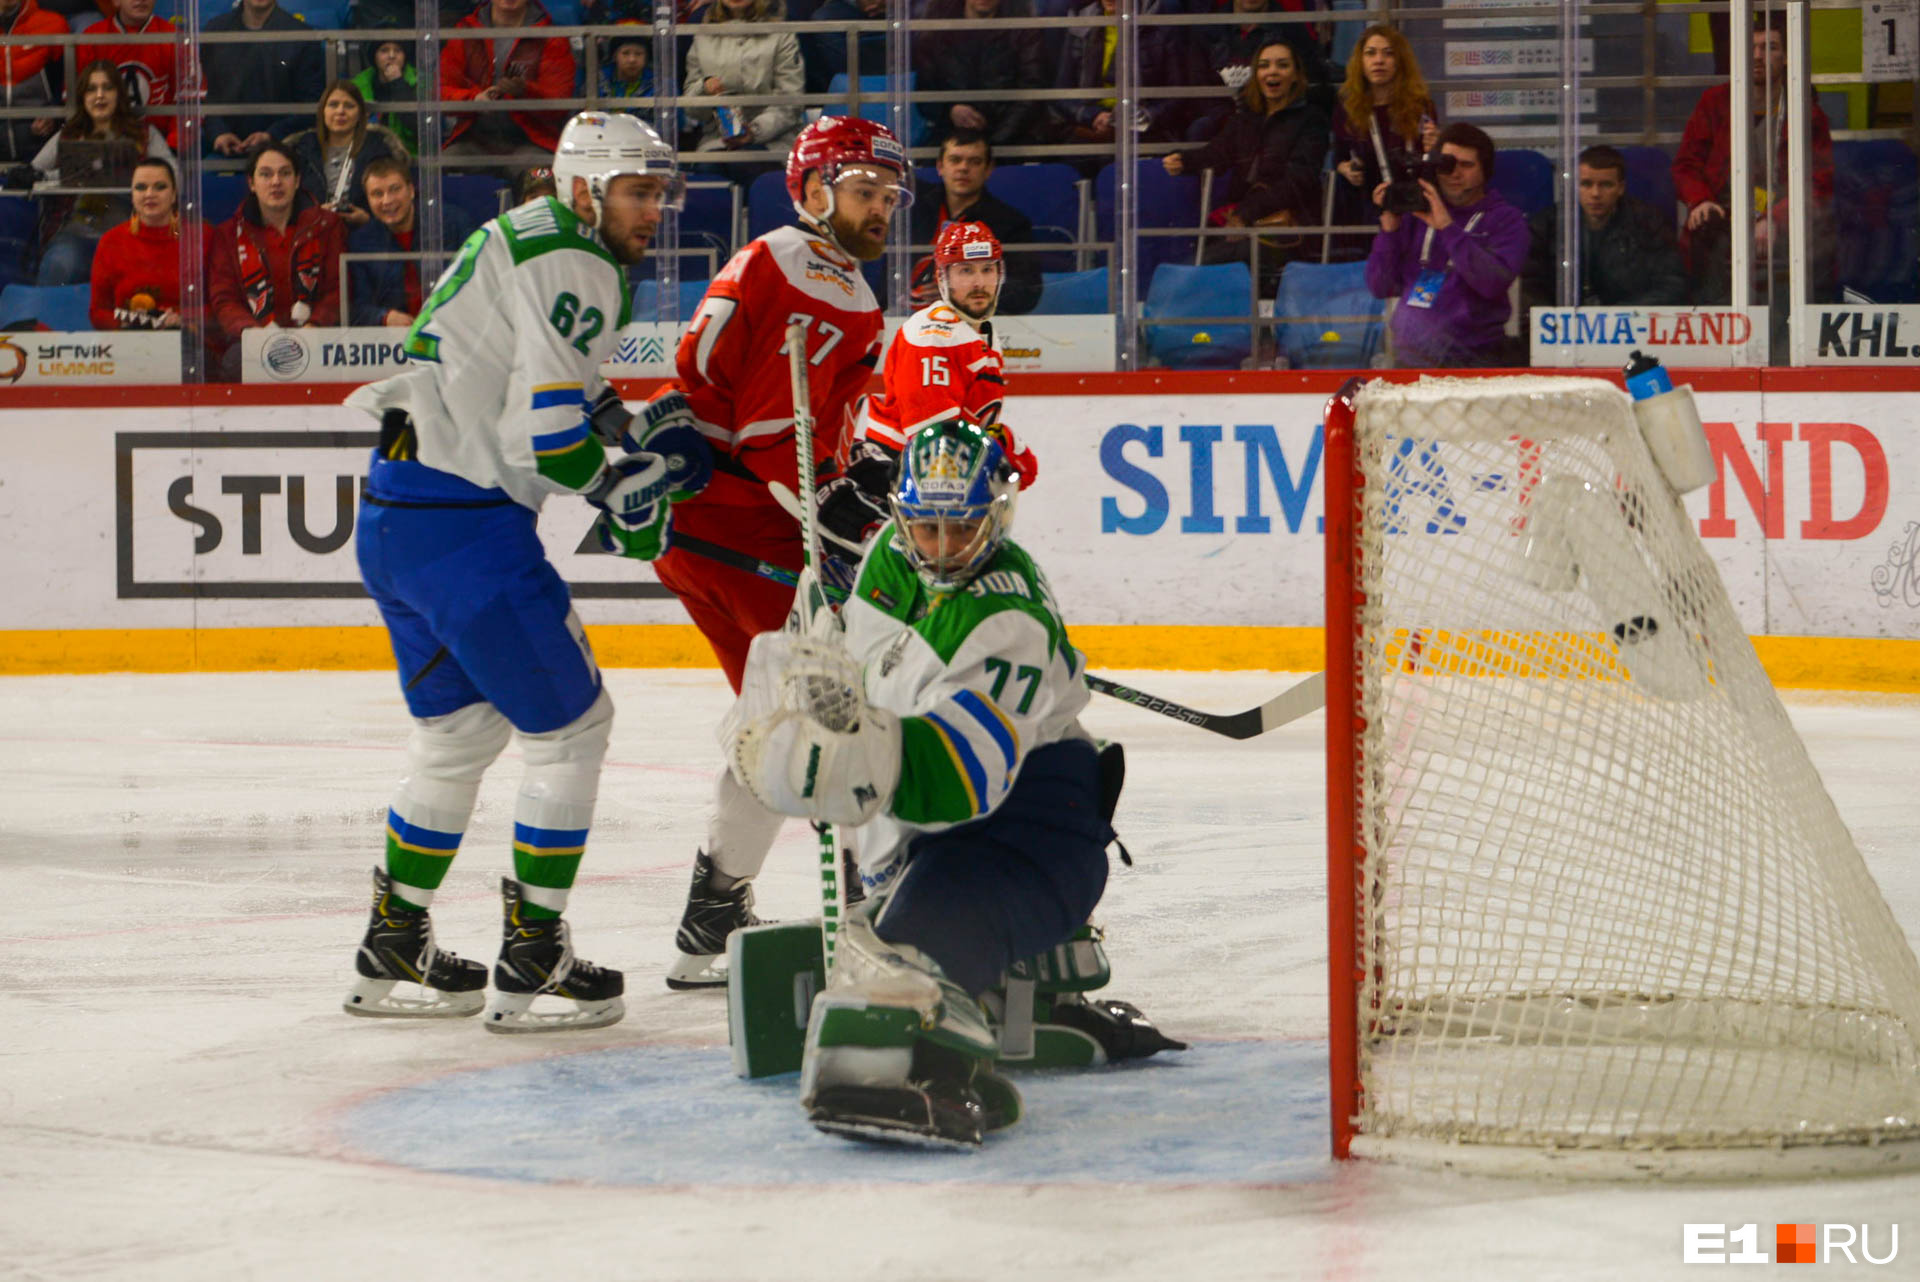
(1168, 219)
(1650, 178)
(1054, 196)
(1524, 177)
(1876, 198)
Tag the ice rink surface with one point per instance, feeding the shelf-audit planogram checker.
(185, 863)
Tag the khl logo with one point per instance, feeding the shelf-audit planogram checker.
(1793, 1244)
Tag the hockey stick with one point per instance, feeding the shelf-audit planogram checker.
(1305, 696)
(1302, 697)
(812, 615)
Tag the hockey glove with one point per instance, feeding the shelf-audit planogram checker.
(849, 516)
(873, 468)
(636, 506)
(609, 419)
(665, 427)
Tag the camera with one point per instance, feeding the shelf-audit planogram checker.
(1403, 194)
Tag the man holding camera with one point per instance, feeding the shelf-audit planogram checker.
(1449, 250)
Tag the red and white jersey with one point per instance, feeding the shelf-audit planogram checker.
(732, 362)
(938, 366)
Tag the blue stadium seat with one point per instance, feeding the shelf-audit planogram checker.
(1335, 294)
(1179, 290)
(874, 107)
(476, 195)
(768, 204)
(646, 299)
(1049, 194)
(565, 13)
(1650, 178)
(709, 219)
(1524, 177)
(321, 15)
(19, 237)
(220, 194)
(1876, 208)
(1165, 201)
(1072, 293)
(60, 308)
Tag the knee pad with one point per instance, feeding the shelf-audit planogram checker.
(446, 757)
(563, 768)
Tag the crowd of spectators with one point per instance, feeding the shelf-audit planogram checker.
(1291, 140)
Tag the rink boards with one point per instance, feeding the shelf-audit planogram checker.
(1177, 515)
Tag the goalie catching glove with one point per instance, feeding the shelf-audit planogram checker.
(801, 737)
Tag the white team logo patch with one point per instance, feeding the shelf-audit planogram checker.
(977, 249)
(889, 149)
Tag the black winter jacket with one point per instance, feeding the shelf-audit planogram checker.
(1273, 161)
(1633, 261)
(987, 58)
(1022, 288)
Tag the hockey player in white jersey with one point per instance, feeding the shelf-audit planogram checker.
(945, 732)
(502, 408)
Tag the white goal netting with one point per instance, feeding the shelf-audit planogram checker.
(1605, 903)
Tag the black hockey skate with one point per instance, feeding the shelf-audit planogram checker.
(710, 917)
(399, 949)
(536, 958)
(1121, 1028)
(951, 1102)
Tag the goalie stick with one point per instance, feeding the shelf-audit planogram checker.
(812, 614)
(1303, 697)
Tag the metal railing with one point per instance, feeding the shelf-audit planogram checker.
(1653, 120)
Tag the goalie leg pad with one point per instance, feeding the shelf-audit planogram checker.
(773, 974)
(873, 1075)
(894, 1048)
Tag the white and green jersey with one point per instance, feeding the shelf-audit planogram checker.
(506, 354)
(979, 677)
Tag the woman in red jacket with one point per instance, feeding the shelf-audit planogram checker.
(275, 263)
(136, 270)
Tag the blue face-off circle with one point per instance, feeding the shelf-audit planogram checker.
(1222, 1113)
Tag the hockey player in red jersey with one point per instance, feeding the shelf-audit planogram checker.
(942, 362)
(846, 178)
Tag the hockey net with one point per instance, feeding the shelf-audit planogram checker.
(1593, 910)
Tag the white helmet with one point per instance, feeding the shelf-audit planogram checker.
(599, 146)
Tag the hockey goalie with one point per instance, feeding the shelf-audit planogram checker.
(943, 730)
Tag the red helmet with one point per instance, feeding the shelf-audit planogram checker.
(831, 143)
(967, 243)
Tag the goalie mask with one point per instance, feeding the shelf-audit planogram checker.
(969, 269)
(953, 505)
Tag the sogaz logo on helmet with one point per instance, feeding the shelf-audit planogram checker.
(885, 148)
(285, 357)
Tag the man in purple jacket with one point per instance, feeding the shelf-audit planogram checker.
(1451, 265)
